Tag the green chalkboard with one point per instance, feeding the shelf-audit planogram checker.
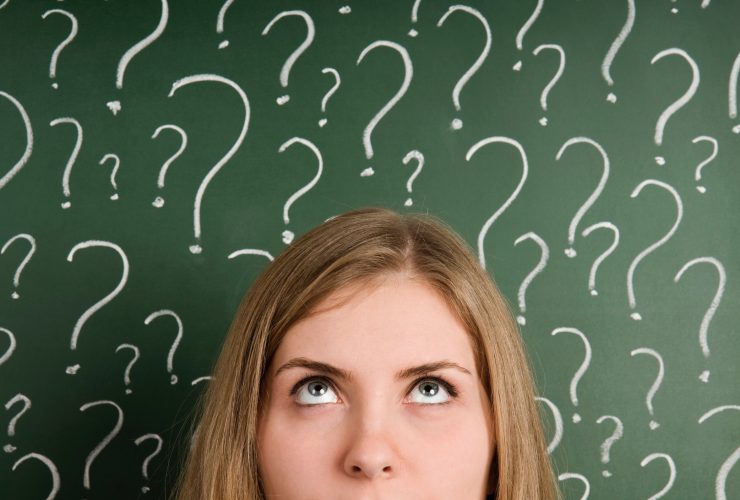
(155, 155)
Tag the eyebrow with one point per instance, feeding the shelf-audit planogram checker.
(406, 373)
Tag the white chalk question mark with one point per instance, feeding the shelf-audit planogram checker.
(289, 235)
(724, 470)
(457, 123)
(608, 442)
(580, 477)
(709, 314)
(606, 64)
(22, 265)
(144, 467)
(671, 477)
(288, 65)
(29, 141)
(732, 92)
(18, 398)
(554, 79)
(251, 251)
(72, 156)
(581, 369)
(604, 255)
(127, 373)
(159, 201)
(175, 343)
(196, 248)
(107, 439)
(414, 17)
(55, 478)
(523, 31)
(697, 172)
(408, 75)
(558, 419)
(71, 370)
(11, 345)
(115, 106)
(419, 157)
(64, 43)
(525, 170)
(656, 384)
(220, 22)
(337, 82)
(116, 163)
(544, 257)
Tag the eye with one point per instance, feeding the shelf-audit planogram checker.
(434, 391)
(317, 391)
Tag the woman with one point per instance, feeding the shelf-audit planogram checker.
(373, 359)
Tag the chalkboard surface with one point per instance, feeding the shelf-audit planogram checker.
(155, 155)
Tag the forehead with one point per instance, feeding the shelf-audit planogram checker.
(390, 323)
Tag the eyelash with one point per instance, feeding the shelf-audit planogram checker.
(450, 387)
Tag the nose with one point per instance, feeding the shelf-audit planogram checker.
(371, 452)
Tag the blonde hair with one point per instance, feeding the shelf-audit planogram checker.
(360, 245)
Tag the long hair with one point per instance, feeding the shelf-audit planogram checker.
(359, 246)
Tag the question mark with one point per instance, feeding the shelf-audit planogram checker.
(729, 463)
(600, 258)
(288, 235)
(115, 106)
(29, 141)
(570, 251)
(554, 80)
(55, 479)
(544, 257)
(116, 164)
(525, 169)
(457, 123)
(419, 157)
(126, 375)
(65, 42)
(107, 439)
(285, 71)
(408, 75)
(171, 354)
(251, 251)
(732, 97)
(615, 46)
(608, 442)
(631, 272)
(17, 276)
(581, 370)
(11, 345)
(709, 314)
(414, 16)
(159, 201)
(145, 465)
(558, 419)
(715, 147)
(2, 5)
(196, 248)
(671, 478)
(71, 370)
(220, 22)
(18, 398)
(331, 91)
(72, 157)
(580, 477)
(656, 385)
(525, 28)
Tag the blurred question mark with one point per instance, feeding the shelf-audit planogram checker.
(729, 463)
(72, 156)
(159, 201)
(65, 42)
(732, 97)
(554, 80)
(608, 442)
(289, 235)
(18, 398)
(175, 343)
(615, 46)
(114, 171)
(604, 255)
(220, 22)
(570, 251)
(29, 141)
(31, 250)
(251, 251)
(709, 314)
(419, 157)
(145, 465)
(127, 373)
(580, 477)
(525, 169)
(337, 82)
(631, 271)
(558, 419)
(115, 106)
(523, 31)
(408, 75)
(581, 370)
(544, 257)
(715, 147)
(656, 384)
(72, 370)
(285, 71)
(196, 248)
(457, 123)
(2, 5)
(414, 17)
(11, 345)
(671, 478)
(107, 439)
(55, 479)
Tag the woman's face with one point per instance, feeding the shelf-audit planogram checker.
(386, 430)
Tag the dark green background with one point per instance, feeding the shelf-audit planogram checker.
(243, 206)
